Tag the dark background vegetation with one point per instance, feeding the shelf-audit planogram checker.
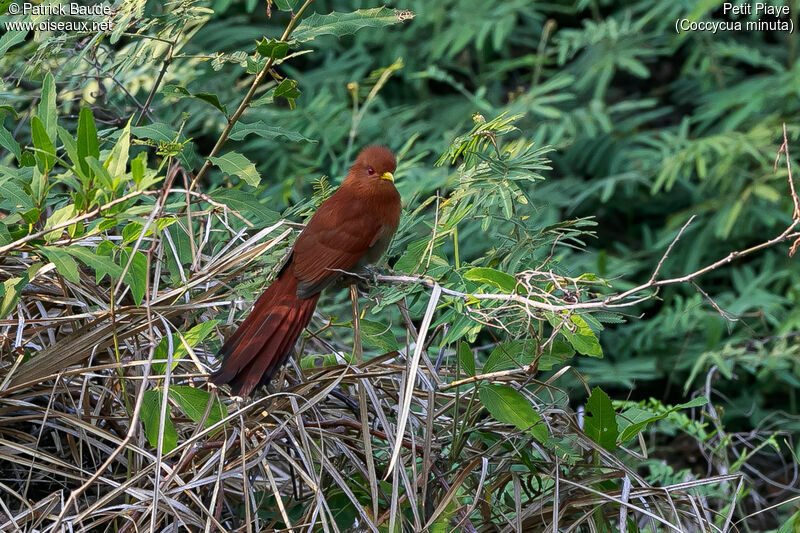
(645, 126)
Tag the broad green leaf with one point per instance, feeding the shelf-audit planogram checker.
(31, 216)
(7, 141)
(260, 128)
(138, 165)
(236, 164)
(555, 354)
(286, 5)
(466, 358)
(193, 337)
(377, 335)
(71, 147)
(511, 354)
(157, 131)
(182, 92)
(131, 232)
(62, 214)
(151, 418)
(501, 280)
(310, 362)
(11, 289)
(7, 108)
(341, 24)
(100, 173)
(46, 110)
(11, 38)
(509, 406)
(642, 419)
(600, 424)
(273, 48)
(582, 338)
(136, 277)
(101, 264)
(87, 140)
(45, 156)
(65, 264)
(243, 201)
(196, 335)
(212, 99)
(117, 160)
(286, 89)
(193, 402)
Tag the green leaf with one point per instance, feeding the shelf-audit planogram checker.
(46, 110)
(314, 361)
(193, 337)
(11, 289)
(157, 131)
(238, 165)
(501, 280)
(512, 354)
(196, 335)
(8, 108)
(62, 214)
(10, 292)
(131, 232)
(377, 335)
(87, 139)
(642, 420)
(182, 92)
(260, 128)
(71, 147)
(7, 141)
(117, 160)
(509, 406)
(341, 24)
(273, 48)
(243, 201)
(212, 99)
(193, 402)
(287, 89)
(101, 264)
(601, 423)
(556, 354)
(11, 38)
(151, 418)
(100, 173)
(286, 5)
(65, 264)
(582, 338)
(466, 358)
(45, 157)
(136, 276)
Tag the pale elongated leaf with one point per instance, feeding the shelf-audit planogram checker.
(341, 24)
(46, 110)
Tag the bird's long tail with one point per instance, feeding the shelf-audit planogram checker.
(265, 339)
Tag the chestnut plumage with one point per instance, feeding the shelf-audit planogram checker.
(350, 230)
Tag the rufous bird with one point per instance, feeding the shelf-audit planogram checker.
(349, 231)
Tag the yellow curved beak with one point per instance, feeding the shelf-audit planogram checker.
(388, 176)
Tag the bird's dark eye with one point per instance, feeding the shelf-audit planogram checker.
(370, 171)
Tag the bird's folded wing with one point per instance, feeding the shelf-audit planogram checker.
(334, 241)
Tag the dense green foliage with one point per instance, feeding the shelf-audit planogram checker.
(552, 151)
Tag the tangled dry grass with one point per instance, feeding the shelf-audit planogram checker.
(320, 452)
